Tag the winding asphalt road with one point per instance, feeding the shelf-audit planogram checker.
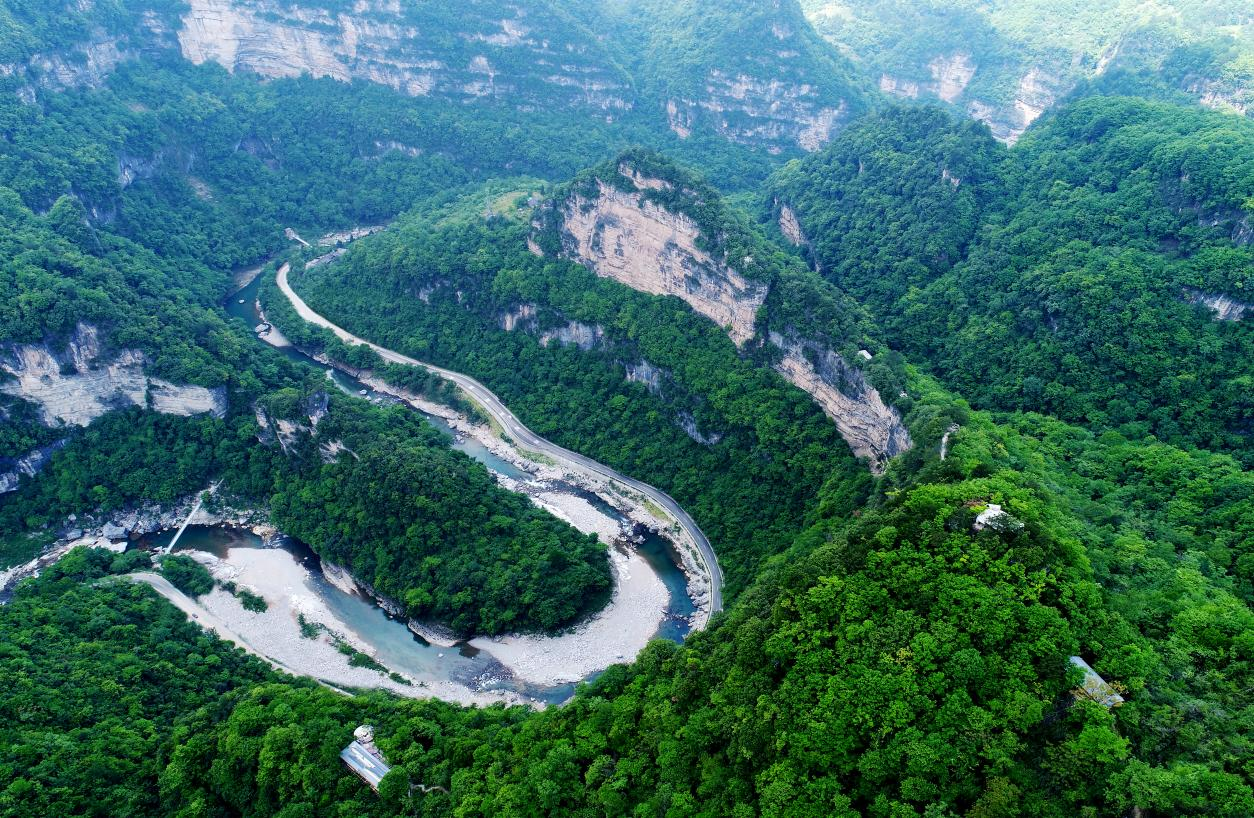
(525, 437)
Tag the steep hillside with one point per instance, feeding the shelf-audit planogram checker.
(526, 55)
(645, 223)
(787, 91)
(1098, 272)
(1007, 62)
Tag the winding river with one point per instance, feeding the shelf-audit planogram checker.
(485, 670)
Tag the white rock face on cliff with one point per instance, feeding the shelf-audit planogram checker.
(872, 429)
(73, 387)
(951, 74)
(790, 226)
(1225, 308)
(28, 465)
(380, 42)
(773, 113)
(622, 236)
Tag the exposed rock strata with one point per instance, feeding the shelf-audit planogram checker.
(645, 373)
(622, 236)
(625, 236)
(951, 74)
(380, 42)
(1225, 308)
(774, 113)
(28, 465)
(790, 226)
(72, 387)
(574, 333)
(871, 428)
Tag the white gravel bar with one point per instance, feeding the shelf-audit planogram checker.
(614, 635)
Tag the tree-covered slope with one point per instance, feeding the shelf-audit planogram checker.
(789, 92)
(634, 381)
(1070, 276)
(892, 664)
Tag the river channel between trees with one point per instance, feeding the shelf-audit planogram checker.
(318, 624)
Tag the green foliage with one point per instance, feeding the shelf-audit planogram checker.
(881, 656)
(187, 575)
(1194, 46)
(95, 676)
(1052, 278)
(715, 413)
(430, 528)
(251, 602)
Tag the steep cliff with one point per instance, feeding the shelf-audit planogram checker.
(12, 470)
(75, 44)
(640, 223)
(73, 386)
(872, 429)
(1225, 307)
(1005, 62)
(525, 54)
(753, 73)
(633, 240)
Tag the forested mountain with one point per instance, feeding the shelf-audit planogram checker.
(1092, 273)
(953, 413)
(1008, 61)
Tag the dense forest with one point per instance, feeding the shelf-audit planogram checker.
(714, 413)
(1058, 277)
(1003, 60)
(1059, 322)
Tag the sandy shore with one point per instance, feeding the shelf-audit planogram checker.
(616, 634)
(274, 634)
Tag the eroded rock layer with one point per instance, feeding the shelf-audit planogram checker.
(508, 51)
(621, 235)
(872, 429)
(73, 387)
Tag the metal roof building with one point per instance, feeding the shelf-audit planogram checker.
(364, 758)
(1095, 687)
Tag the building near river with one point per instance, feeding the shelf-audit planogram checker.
(364, 758)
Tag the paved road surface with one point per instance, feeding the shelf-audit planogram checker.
(525, 437)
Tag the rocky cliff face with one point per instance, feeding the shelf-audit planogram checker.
(774, 113)
(73, 387)
(1036, 92)
(510, 51)
(28, 465)
(1225, 308)
(621, 235)
(871, 428)
(98, 52)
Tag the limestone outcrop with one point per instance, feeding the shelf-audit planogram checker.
(872, 429)
(525, 58)
(1225, 307)
(73, 386)
(951, 74)
(28, 465)
(623, 236)
(778, 114)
